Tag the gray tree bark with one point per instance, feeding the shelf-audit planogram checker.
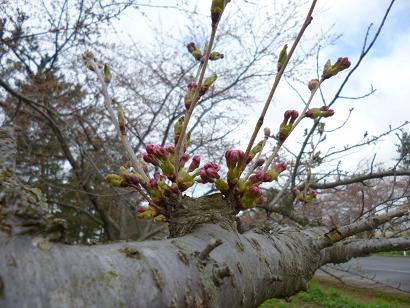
(212, 266)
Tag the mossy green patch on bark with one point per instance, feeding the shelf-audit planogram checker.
(131, 253)
(158, 279)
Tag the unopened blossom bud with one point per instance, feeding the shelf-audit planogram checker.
(114, 180)
(255, 150)
(194, 51)
(190, 96)
(152, 183)
(88, 59)
(313, 84)
(186, 142)
(183, 159)
(196, 160)
(262, 199)
(233, 157)
(255, 191)
(121, 120)
(321, 128)
(326, 112)
(286, 126)
(185, 180)
(215, 56)
(217, 9)
(280, 167)
(161, 152)
(131, 178)
(209, 172)
(266, 131)
(313, 113)
(147, 158)
(178, 128)
(313, 193)
(107, 74)
(274, 171)
(146, 213)
(257, 177)
(283, 56)
(331, 70)
(323, 111)
(209, 81)
(168, 169)
(150, 148)
(170, 148)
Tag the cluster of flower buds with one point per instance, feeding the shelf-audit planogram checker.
(234, 159)
(194, 51)
(217, 9)
(209, 172)
(323, 111)
(125, 179)
(251, 197)
(332, 69)
(146, 213)
(186, 178)
(161, 157)
(305, 197)
(273, 173)
(286, 126)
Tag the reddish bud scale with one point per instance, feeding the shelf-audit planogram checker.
(209, 172)
(196, 160)
(233, 157)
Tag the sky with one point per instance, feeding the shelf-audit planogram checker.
(386, 69)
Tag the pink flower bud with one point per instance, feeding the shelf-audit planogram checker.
(255, 191)
(233, 157)
(196, 160)
(280, 167)
(149, 148)
(184, 158)
(257, 177)
(170, 148)
(152, 183)
(209, 172)
(262, 199)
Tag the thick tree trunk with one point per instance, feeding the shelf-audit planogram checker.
(212, 266)
(243, 271)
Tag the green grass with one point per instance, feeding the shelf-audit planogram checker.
(317, 296)
(393, 253)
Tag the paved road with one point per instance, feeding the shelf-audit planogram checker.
(394, 271)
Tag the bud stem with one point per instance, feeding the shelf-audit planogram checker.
(279, 75)
(301, 116)
(108, 104)
(188, 113)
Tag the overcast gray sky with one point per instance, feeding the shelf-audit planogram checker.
(386, 68)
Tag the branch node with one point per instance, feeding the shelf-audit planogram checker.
(220, 273)
(204, 254)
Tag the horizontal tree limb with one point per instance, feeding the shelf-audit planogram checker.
(346, 250)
